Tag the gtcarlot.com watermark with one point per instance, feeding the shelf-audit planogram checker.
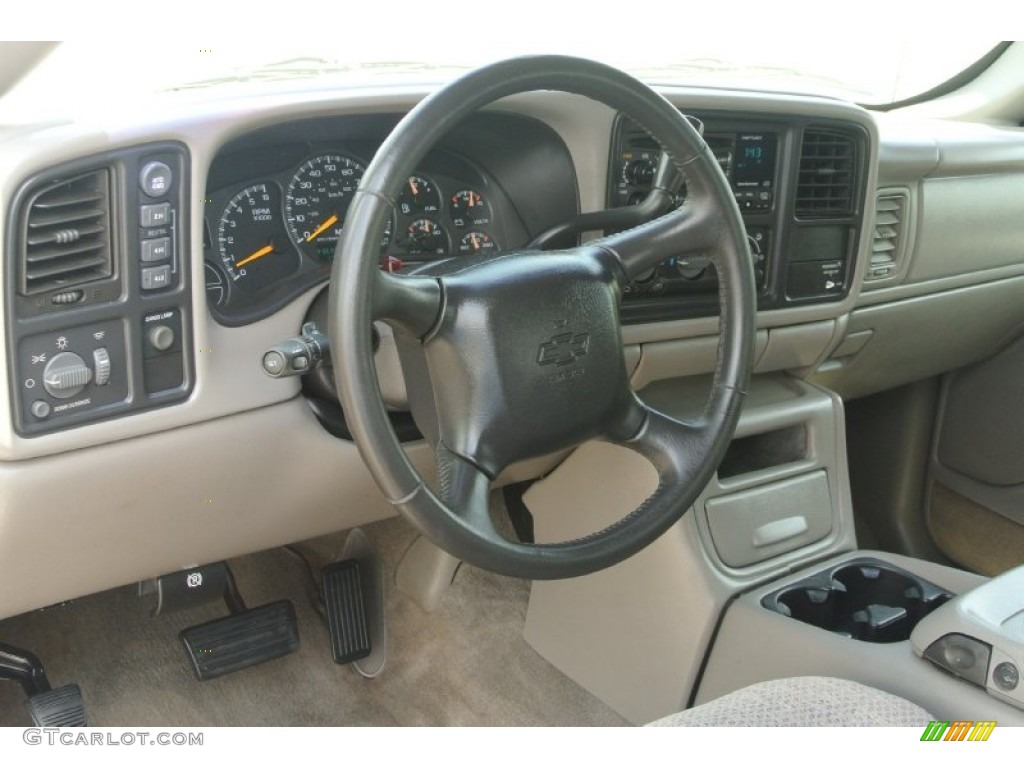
(55, 737)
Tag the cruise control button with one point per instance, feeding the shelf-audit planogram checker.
(157, 249)
(154, 278)
(155, 215)
(155, 178)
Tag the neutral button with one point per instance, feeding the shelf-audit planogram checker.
(157, 249)
(40, 409)
(154, 278)
(155, 178)
(161, 337)
(155, 215)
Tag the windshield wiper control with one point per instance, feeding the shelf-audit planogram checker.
(298, 355)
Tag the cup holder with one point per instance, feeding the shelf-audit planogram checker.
(864, 599)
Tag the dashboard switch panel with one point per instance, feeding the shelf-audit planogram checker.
(87, 355)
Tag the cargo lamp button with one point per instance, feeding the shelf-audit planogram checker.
(161, 337)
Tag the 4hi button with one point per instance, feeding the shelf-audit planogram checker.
(161, 337)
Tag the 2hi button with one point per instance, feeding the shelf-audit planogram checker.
(161, 337)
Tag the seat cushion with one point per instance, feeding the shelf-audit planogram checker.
(803, 701)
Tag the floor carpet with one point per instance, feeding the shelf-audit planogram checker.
(465, 664)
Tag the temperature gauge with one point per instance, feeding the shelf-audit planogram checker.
(476, 244)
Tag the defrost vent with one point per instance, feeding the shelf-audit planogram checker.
(66, 234)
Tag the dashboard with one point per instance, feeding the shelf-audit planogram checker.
(100, 306)
(175, 447)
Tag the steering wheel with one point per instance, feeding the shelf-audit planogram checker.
(520, 355)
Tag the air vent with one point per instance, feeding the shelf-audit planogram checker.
(887, 243)
(66, 239)
(826, 183)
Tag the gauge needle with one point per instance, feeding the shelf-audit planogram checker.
(331, 221)
(414, 187)
(257, 255)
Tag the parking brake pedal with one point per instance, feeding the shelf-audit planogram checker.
(48, 707)
(58, 708)
(245, 638)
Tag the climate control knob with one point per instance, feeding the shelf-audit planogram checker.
(66, 375)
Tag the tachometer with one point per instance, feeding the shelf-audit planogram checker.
(253, 246)
(318, 198)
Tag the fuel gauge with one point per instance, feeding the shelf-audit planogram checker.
(419, 195)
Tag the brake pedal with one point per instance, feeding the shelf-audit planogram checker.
(242, 640)
(58, 708)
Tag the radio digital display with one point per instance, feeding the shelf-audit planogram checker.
(753, 160)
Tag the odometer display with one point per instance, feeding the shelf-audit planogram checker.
(319, 194)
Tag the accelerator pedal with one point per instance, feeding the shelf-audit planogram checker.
(58, 708)
(242, 640)
(346, 611)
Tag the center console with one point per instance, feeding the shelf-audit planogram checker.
(762, 578)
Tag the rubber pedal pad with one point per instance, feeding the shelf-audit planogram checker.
(242, 640)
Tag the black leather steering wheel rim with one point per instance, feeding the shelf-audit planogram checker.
(577, 291)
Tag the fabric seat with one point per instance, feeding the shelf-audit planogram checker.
(803, 701)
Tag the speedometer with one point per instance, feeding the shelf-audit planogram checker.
(318, 198)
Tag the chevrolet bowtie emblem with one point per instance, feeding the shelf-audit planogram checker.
(563, 349)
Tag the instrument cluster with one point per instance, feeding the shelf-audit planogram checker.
(272, 235)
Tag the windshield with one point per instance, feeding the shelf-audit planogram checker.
(99, 74)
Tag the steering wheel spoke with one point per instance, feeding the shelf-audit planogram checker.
(465, 488)
(675, 447)
(690, 229)
(411, 303)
